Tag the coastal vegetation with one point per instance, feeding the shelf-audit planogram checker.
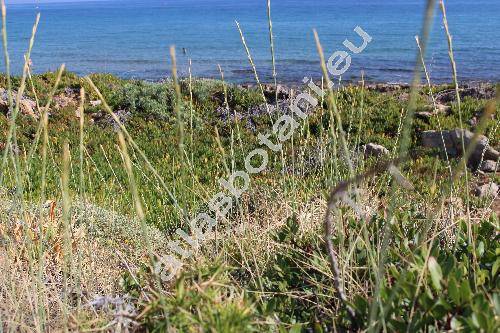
(380, 213)
(265, 267)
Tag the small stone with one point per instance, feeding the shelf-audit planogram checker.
(373, 149)
(478, 115)
(62, 101)
(424, 115)
(443, 108)
(27, 107)
(437, 108)
(486, 190)
(435, 139)
(404, 97)
(95, 103)
(488, 166)
(473, 121)
(271, 92)
(386, 87)
(104, 120)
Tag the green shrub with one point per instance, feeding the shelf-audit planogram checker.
(147, 99)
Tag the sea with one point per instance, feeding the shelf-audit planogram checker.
(132, 38)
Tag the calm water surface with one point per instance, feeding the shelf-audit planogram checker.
(132, 38)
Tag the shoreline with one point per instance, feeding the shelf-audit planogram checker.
(298, 83)
(286, 83)
(269, 81)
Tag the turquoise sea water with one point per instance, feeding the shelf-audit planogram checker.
(132, 38)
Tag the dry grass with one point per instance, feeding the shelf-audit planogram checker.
(104, 246)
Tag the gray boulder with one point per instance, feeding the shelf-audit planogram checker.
(424, 115)
(387, 87)
(373, 149)
(477, 91)
(437, 108)
(486, 190)
(95, 103)
(271, 91)
(488, 166)
(104, 119)
(27, 106)
(446, 109)
(453, 144)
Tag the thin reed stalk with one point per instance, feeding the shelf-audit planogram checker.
(66, 232)
(45, 111)
(271, 43)
(434, 103)
(191, 110)
(81, 114)
(134, 191)
(333, 107)
(6, 56)
(178, 101)
(11, 140)
(254, 69)
(459, 107)
(226, 105)
(336, 195)
(404, 144)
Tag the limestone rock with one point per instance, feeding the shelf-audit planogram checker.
(270, 91)
(62, 101)
(26, 106)
(488, 166)
(105, 120)
(486, 190)
(95, 103)
(477, 116)
(404, 97)
(439, 108)
(453, 144)
(387, 87)
(70, 97)
(424, 115)
(443, 108)
(477, 91)
(373, 149)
